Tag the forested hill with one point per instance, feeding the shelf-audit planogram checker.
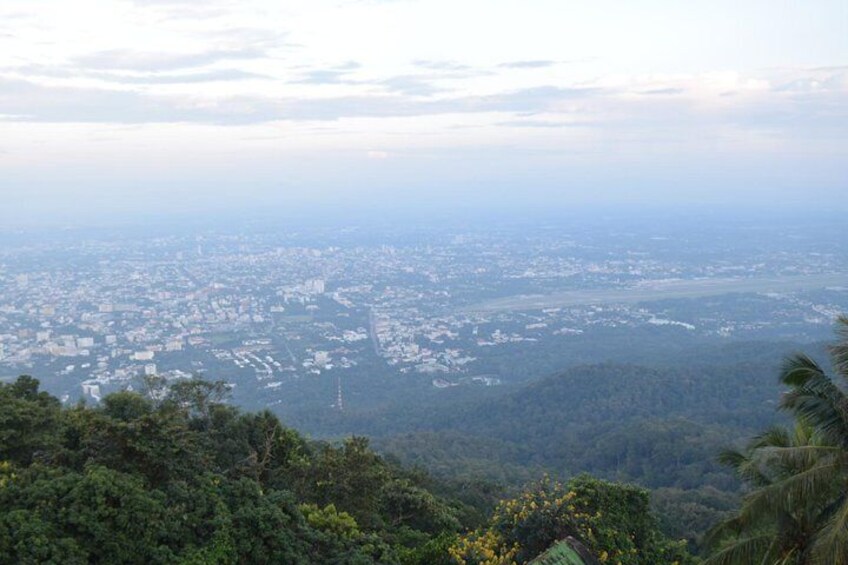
(610, 418)
(659, 427)
(177, 476)
(601, 394)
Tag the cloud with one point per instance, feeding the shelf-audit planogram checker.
(15, 16)
(411, 85)
(74, 104)
(348, 66)
(535, 64)
(426, 83)
(77, 104)
(817, 112)
(195, 10)
(661, 91)
(799, 85)
(541, 124)
(123, 59)
(69, 104)
(120, 78)
(253, 37)
(537, 99)
(186, 78)
(332, 75)
(322, 76)
(422, 84)
(175, 4)
(832, 68)
(440, 65)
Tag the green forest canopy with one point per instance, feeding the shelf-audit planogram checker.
(189, 479)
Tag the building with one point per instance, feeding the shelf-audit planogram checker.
(315, 286)
(84, 342)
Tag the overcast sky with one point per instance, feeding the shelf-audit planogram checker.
(109, 107)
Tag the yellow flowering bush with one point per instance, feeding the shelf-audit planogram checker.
(612, 521)
(7, 473)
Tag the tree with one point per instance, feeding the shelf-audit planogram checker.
(798, 510)
(29, 421)
(198, 396)
(184, 478)
(612, 521)
(351, 477)
(101, 516)
(769, 529)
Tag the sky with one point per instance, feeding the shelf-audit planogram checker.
(138, 108)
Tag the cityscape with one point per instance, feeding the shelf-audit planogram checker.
(268, 309)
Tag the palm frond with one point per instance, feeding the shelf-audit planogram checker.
(743, 551)
(839, 350)
(732, 458)
(799, 369)
(831, 542)
(745, 466)
(789, 558)
(815, 399)
(790, 460)
(726, 529)
(822, 411)
(804, 434)
(794, 492)
(776, 436)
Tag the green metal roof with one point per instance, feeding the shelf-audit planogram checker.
(561, 553)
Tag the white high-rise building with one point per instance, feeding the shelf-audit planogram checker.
(315, 286)
(322, 358)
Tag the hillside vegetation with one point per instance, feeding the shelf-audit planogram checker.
(189, 479)
(661, 428)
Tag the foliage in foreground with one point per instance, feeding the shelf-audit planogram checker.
(187, 479)
(612, 521)
(179, 477)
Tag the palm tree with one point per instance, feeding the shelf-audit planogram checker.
(797, 512)
(767, 530)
